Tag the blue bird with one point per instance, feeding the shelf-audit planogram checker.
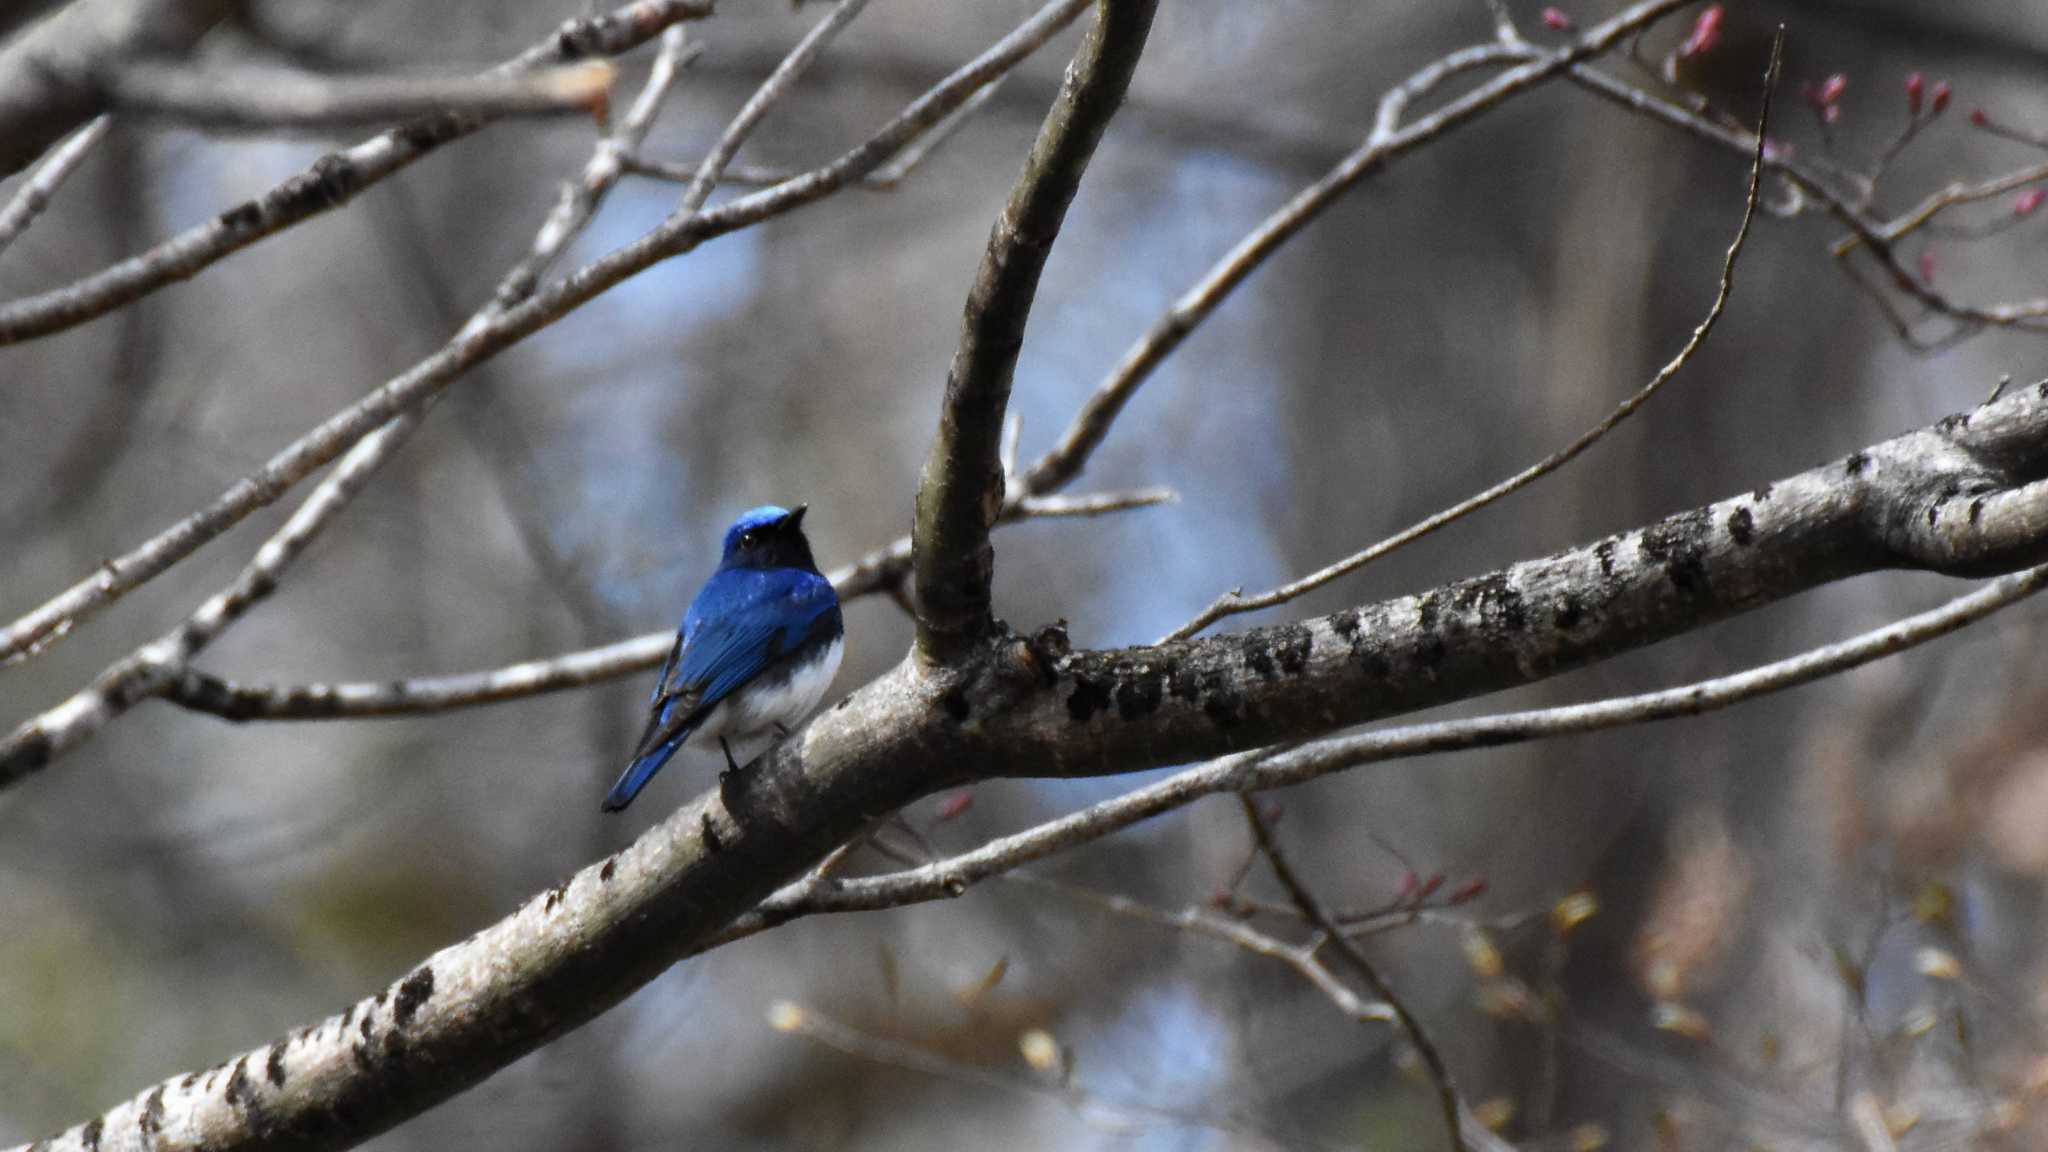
(757, 649)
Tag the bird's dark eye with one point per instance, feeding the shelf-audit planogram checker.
(748, 540)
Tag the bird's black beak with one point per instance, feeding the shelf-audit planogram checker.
(795, 519)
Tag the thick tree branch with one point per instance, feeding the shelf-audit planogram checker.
(1966, 496)
(330, 182)
(418, 385)
(960, 493)
(52, 76)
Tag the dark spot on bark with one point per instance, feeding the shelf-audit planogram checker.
(1976, 511)
(1762, 494)
(1427, 611)
(1934, 511)
(1372, 663)
(841, 706)
(710, 833)
(1138, 696)
(553, 899)
(1184, 685)
(604, 874)
(380, 998)
(32, 750)
(1947, 425)
(1678, 545)
(348, 1017)
(364, 1027)
(238, 1084)
(361, 1052)
(273, 1068)
(2041, 389)
(956, 705)
(1223, 707)
(306, 1033)
(1855, 464)
(1494, 599)
(1088, 698)
(412, 993)
(151, 1121)
(1741, 526)
(1291, 646)
(430, 132)
(1569, 611)
(90, 1135)
(1345, 624)
(190, 1079)
(1604, 553)
(242, 217)
(39, 1146)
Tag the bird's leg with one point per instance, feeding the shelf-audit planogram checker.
(781, 730)
(731, 765)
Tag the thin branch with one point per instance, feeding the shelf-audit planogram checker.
(1332, 936)
(35, 192)
(778, 85)
(1389, 140)
(1262, 769)
(271, 99)
(674, 237)
(961, 490)
(330, 182)
(880, 571)
(1232, 604)
(887, 178)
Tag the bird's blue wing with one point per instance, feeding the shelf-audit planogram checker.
(737, 626)
(745, 627)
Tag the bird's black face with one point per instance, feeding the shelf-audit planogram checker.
(770, 543)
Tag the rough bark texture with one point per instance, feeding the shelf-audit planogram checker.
(1964, 497)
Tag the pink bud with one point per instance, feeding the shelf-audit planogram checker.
(1706, 32)
(1926, 265)
(1916, 93)
(1429, 887)
(1980, 117)
(1941, 95)
(1472, 889)
(1831, 89)
(1555, 19)
(954, 803)
(2028, 201)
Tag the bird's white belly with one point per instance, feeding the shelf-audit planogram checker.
(758, 707)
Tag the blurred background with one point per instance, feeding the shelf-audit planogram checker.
(1793, 872)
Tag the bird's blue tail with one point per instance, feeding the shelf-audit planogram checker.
(640, 771)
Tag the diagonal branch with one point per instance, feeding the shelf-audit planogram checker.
(35, 192)
(330, 182)
(1389, 140)
(960, 493)
(1967, 496)
(1333, 937)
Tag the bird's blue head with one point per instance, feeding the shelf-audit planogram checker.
(768, 537)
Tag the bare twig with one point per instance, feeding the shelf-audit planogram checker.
(1333, 936)
(1232, 603)
(770, 93)
(887, 178)
(676, 236)
(1388, 140)
(330, 182)
(270, 100)
(34, 194)
(961, 490)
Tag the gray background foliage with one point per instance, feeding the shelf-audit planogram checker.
(183, 888)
